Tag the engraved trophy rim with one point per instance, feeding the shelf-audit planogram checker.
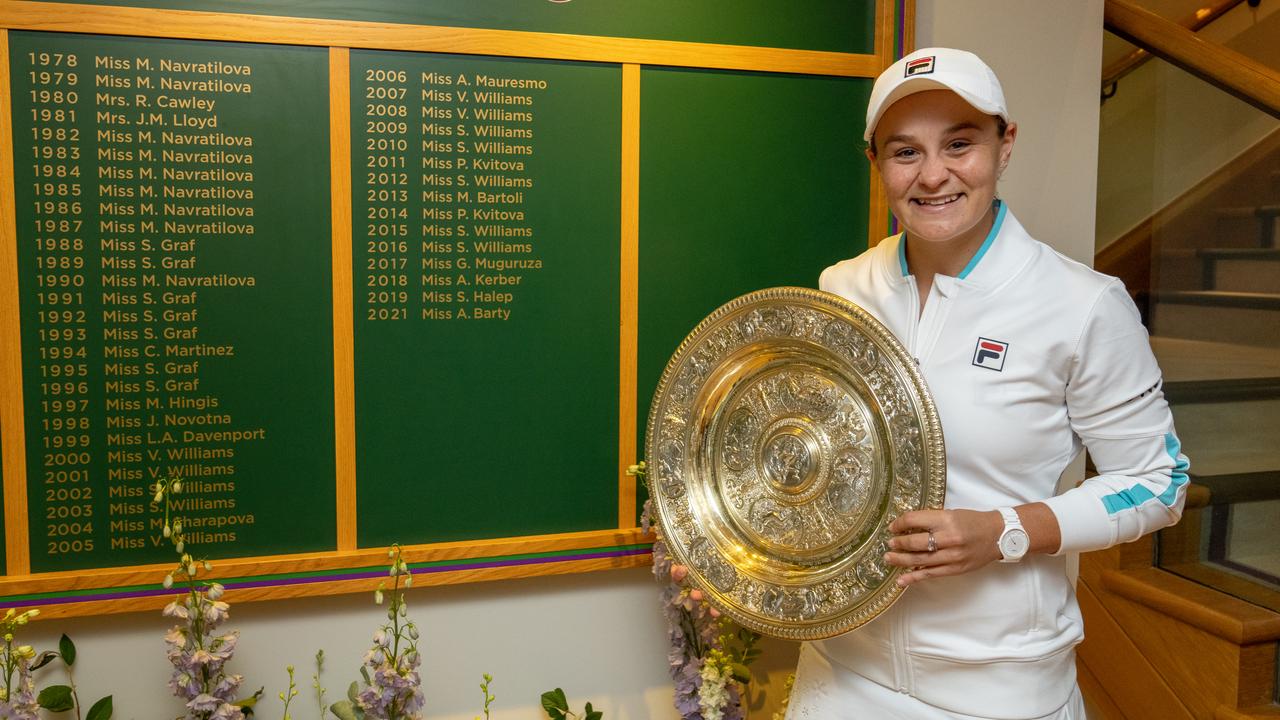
(787, 430)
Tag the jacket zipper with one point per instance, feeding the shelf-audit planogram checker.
(929, 324)
(901, 677)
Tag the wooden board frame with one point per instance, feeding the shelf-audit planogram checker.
(348, 568)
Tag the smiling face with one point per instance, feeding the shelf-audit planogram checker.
(939, 158)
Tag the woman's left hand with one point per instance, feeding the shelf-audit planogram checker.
(963, 541)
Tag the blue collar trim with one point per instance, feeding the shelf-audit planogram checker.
(1001, 208)
(902, 253)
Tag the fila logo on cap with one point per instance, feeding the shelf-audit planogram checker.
(920, 66)
(989, 354)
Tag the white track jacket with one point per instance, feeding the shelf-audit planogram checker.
(1028, 355)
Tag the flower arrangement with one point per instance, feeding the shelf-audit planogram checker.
(19, 662)
(392, 685)
(19, 701)
(198, 653)
(709, 662)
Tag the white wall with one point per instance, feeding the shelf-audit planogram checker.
(601, 636)
(1048, 57)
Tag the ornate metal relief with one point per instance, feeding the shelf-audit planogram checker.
(789, 429)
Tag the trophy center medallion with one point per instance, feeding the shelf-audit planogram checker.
(790, 459)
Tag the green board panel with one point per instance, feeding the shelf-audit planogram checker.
(486, 249)
(175, 294)
(747, 181)
(831, 25)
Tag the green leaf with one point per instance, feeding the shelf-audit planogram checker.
(101, 710)
(43, 659)
(56, 698)
(592, 714)
(740, 672)
(555, 703)
(252, 699)
(353, 690)
(343, 710)
(68, 650)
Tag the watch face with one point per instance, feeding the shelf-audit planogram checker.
(1014, 544)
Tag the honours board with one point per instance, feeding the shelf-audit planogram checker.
(174, 269)
(486, 246)
(386, 272)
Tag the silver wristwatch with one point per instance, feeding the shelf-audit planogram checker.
(1013, 542)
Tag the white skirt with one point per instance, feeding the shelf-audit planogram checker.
(824, 692)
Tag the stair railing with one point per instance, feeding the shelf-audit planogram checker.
(1195, 22)
(1242, 76)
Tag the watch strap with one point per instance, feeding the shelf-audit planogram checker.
(1012, 523)
(1011, 518)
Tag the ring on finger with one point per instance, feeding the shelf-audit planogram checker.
(933, 543)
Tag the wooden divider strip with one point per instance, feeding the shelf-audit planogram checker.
(895, 38)
(13, 444)
(421, 579)
(884, 44)
(67, 17)
(630, 292)
(79, 580)
(344, 391)
(877, 210)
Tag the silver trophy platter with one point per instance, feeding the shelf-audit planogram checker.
(788, 430)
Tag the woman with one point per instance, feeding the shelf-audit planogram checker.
(1029, 356)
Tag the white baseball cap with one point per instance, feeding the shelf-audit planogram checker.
(937, 69)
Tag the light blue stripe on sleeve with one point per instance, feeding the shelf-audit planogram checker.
(1138, 494)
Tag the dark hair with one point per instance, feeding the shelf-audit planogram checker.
(1002, 125)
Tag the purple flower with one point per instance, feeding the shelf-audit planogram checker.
(215, 612)
(176, 609)
(22, 704)
(693, 630)
(394, 690)
(198, 657)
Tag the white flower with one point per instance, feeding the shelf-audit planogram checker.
(712, 696)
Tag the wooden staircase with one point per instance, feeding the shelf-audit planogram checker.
(1186, 625)
(1161, 647)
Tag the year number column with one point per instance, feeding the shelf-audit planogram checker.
(387, 136)
(61, 352)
